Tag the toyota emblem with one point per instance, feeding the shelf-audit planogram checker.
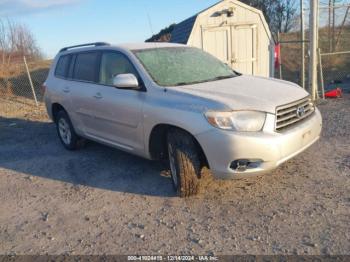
(300, 112)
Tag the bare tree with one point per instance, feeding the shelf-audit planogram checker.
(290, 16)
(16, 40)
(281, 15)
(4, 43)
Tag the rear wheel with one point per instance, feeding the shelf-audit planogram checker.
(184, 162)
(65, 131)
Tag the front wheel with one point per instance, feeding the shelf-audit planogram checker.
(184, 162)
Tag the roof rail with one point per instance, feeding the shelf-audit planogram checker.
(84, 45)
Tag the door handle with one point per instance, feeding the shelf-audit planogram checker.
(98, 95)
(66, 90)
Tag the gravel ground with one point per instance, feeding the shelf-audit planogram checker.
(103, 201)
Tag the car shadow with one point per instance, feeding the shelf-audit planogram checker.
(32, 148)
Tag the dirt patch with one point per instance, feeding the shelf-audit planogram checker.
(102, 201)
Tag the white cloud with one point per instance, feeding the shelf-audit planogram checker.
(15, 7)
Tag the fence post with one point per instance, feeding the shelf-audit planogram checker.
(280, 58)
(30, 80)
(321, 72)
(302, 31)
(313, 49)
(8, 87)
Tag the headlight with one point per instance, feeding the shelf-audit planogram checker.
(244, 121)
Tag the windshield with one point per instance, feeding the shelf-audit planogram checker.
(175, 66)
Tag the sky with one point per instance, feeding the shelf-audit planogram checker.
(59, 23)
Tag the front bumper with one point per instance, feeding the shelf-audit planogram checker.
(271, 149)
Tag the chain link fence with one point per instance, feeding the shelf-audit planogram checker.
(22, 80)
(336, 71)
(334, 47)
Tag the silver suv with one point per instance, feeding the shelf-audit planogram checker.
(174, 102)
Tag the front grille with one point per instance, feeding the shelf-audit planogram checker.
(290, 115)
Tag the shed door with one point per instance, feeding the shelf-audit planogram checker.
(216, 42)
(244, 49)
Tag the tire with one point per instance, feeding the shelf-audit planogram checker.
(65, 130)
(184, 162)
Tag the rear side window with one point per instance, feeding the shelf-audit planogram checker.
(62, 66)
(86, 68)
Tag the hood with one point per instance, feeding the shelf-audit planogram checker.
(248, 92)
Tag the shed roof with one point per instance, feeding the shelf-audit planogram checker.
(182, 31)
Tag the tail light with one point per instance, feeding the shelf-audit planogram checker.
(43, 88)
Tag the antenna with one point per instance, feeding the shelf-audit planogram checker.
(155, 43)
(150, 23)
(151, 28)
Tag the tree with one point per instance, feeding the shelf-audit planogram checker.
(163, 36)
(16, 40)
(281, 15)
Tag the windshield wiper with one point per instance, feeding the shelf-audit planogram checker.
(188, 83)
(181, 84)
(204, 81)
(221, 78)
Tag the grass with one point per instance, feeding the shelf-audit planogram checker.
(14, 79)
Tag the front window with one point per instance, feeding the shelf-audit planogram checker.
(113, 64)
(176, 66)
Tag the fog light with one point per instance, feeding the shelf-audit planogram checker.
(243, 165)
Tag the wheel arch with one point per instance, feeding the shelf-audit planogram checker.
(55, 108)
(157, 142)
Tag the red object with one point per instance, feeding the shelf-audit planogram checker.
(335, 93)
(277, 55)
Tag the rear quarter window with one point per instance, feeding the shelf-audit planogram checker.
(62, 66)
(86, 67)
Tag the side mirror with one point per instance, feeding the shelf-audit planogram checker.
(126, 81)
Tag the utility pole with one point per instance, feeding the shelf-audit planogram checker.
(313, 48)
(329, 25)
(333, 26)
(302, 32)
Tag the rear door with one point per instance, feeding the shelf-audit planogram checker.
(84, 89)
(60, 85)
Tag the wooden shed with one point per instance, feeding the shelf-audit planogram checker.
(234, 32)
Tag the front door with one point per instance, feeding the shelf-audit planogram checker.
(118, 115)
